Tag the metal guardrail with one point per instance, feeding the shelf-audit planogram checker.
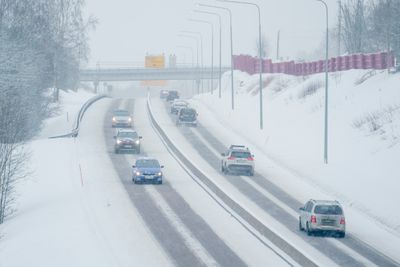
(75, 131)
(253, 225)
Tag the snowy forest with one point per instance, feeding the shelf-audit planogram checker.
(42, 43)
(369, 26)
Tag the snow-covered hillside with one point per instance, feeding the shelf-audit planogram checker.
(364, 135)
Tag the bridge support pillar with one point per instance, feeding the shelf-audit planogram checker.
(96, 86)
(198, 86)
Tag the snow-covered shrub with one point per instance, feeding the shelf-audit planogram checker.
(310, 88)
(384, 122)
(280, 85)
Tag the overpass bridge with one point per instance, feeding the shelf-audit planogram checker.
(145, 74)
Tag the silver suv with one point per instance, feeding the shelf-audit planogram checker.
(237, 159)
(127, 140)
(322, 216)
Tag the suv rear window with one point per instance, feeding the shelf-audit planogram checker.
(121, 113)
(328, 210)
(240, 154)
(132, 135)
(188, 112)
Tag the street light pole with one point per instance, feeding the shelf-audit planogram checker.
(260, 53)
(326, 84)
(212, 49)
(197, 54)
(220, 46)
(191, 51)
(201, 54)
(231, 41)
(192, 65)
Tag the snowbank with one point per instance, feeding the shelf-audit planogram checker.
(364, 136)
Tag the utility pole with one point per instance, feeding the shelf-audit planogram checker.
(339, 27)
(277, 44)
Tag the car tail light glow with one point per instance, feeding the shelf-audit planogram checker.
(231, 158)
(342, 220)
(313, 219)
(250, 158)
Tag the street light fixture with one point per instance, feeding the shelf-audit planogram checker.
(230, 23)
(260, 53)
(212, 48)
(220, 45)
(326, 84)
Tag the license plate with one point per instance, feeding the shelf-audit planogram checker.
(149, 177)
(129, 146)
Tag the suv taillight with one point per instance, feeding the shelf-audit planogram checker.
(313, 219)
(231, 158)
(342, 220)
(250, 158)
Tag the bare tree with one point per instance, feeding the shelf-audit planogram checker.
(35, 36)
(354, 31)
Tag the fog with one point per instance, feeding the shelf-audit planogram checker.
(127, 29)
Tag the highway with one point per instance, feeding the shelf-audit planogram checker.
(200, 217)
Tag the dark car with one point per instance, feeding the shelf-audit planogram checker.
(172, 95)
(127, 140)
(187, 116)
(121, 118)
(147, 170)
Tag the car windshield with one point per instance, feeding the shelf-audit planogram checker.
(147, 163)
(132, 135)
(180, 104)
(328, 210)
(121, 113)
(173, 93)
(240, 154)
(188, 112)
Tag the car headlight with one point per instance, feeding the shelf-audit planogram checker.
(137, 142)
(118, 141)
(159, 173)
(130, 119)
(137, 173)
(114, 119)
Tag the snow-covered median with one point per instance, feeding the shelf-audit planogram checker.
(70, 212)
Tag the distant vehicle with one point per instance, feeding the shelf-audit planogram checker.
(147, 170)
(187, 116)
(164, 94)
(172, 95)
(237, 159)
(121, 118)
(322, 216)
(127, 140)
(177, 104)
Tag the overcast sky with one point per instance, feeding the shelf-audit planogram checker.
(128, 29)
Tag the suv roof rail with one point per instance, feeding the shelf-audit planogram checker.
(236, 146)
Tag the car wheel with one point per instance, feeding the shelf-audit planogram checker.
(251, 173)
(309, 232)
(160, 182)
(300, 227)
(116, 151)
(341, 234)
